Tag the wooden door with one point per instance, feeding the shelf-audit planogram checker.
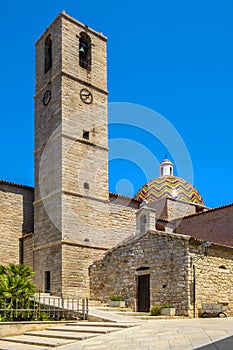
(144, 293)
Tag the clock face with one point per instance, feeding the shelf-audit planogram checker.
(86, 96)
(46, 98)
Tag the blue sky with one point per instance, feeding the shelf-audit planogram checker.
(174, 57)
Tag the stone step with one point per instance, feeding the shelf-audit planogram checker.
(89, 329)
(42, 341)
(56, 336)
(132, 314)
(7, 345)
(103, 316)
(101, 324)
(146, 316)
(62, 334)
(113, 309)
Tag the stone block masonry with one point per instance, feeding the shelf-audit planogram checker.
(214, 277)
(161, 256)
(167, 259)
(71, 171)
(16, 218)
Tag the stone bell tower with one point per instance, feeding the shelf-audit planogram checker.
(71, 155)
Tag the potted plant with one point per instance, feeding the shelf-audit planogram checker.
(117, 301)
(166, 310)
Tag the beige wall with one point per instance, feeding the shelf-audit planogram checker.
(171, 209)
(27, 242)
(16, 218)
(97, 223)
(75, 262)
(214, 277)
(48, 258)
(66, 160)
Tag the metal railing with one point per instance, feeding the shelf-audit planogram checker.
(43, 308)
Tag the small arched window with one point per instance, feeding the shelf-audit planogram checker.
(143, 223)
(86, 185)
(85, 51)
(223, 267)
(170, 170)
(48, 54)
(160, 227)
(143, 268)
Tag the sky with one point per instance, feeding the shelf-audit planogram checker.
(172, 57)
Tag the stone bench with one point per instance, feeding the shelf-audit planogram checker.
(212, 309)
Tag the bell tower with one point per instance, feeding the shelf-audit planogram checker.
(71, 154)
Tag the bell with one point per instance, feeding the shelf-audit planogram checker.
(81, 50)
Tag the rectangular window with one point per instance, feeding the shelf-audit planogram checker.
(47, 282)
(48, 54)
(86, 135)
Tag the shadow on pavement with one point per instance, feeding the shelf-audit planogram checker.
(224, 344)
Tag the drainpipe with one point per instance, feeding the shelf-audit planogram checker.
(194, 291)
(194, 259)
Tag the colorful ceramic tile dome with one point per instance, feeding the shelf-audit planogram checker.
(169, 186)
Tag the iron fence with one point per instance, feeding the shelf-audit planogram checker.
(43, 308)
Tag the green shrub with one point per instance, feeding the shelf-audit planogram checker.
(155, 310)
(43, 317)
(16, 289)
(16, 281)
(165, 306)
(116, 298)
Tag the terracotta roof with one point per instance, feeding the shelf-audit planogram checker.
(209, 210)
(209, 227)
(3, 182)
(201, 240)
(111, 194)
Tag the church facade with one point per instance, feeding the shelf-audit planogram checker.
(82, 240)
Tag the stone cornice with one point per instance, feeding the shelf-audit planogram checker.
(63, 14)
(67, 242)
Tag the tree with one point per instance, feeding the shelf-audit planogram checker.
(16, 288)
(16, 281)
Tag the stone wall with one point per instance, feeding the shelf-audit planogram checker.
(64, 210)
(75, 262)
(16, 218)
(48, 258)
(97, 223)
(71, 29)
(48, 220)
(215, 225)
(214, 277)
(27, 241)
(167, 258)
(171, 209)
(122, 219)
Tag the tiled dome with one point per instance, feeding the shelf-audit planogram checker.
(169, 186)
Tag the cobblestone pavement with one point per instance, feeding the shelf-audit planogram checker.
(178, 334)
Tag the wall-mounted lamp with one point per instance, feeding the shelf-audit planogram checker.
(205, 245)
(202, 253)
